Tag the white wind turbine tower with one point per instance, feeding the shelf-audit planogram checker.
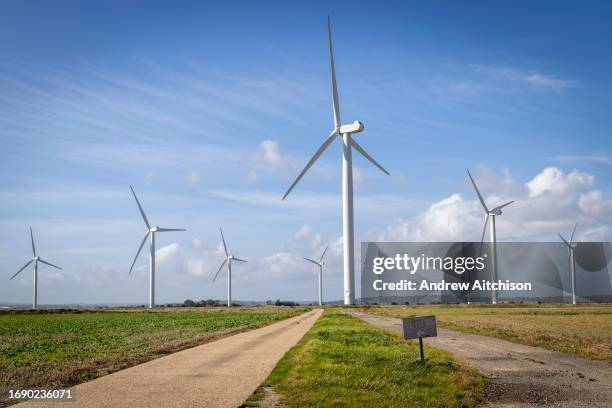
(319, 264)
(36, 259)
(151, 231)
(571, 247)
(228, 258)
(490, 214)
(348, 143)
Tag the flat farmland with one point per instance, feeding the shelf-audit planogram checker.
(583, 330)
(63, 348)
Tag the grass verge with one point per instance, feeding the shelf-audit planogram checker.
(64, 348)
(583, 330)
(345, 362)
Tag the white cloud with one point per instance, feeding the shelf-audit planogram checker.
(553, 180)
(307, 234)
(601, 233)
(304, 231)
(165, 253)
(269, 153)
(594, 203)
(551, 202)
(449, 219)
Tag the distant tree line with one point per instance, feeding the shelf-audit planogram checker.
(216, 303)
(203, 303)
(282, 303)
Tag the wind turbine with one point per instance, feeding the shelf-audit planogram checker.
(228, 258)
(571, 247)
(319, 264)
(490, 214)
(36, 259)
(151, 231)
(348, 143)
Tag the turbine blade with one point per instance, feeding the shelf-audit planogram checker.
(32, 238)
(503, 205)
(563, 239)
(221, 267)
(478, 192)
(314, 158)
(484, 230)
(144, 217)
(22, 268)
(139, 249)
(223, 239)
(573, 232)
(335, 98)
(310, 260)
(323, 254)
(169, 229)
(239, 260)
(49, 263)
(367, 156)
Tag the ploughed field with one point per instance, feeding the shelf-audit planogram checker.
(63, 348)
(583, 330)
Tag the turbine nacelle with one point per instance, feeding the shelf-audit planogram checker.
(571, 244)
(354, 127)
(495, 211)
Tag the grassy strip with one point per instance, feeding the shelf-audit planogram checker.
(583, 330)
(63, 349)
(345, 362)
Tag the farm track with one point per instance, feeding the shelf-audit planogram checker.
(519, 375)
(222, 373)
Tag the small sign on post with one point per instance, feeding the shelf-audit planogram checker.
(419, 327)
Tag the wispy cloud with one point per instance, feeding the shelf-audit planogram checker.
(532, 78)
(151, 103)
(587, 158)
(319, 203)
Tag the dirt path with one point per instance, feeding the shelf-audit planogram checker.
(519, 375)
(223, 373)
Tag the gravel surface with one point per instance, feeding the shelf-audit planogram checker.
(222, 373)
(519, 375)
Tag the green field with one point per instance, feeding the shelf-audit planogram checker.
(584, 330)
(345, 362)
(65, 348)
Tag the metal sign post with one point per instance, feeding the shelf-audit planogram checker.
(419, 327)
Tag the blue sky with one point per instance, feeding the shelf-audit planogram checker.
(210, 110)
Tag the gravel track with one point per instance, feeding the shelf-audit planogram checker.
(520, 375)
